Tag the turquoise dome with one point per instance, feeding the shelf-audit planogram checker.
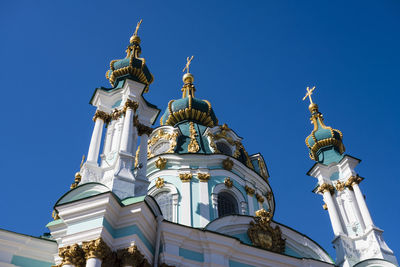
(131, 66)
(323, 138)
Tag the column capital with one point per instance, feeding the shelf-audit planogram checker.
(142, 129)
(130, 256)
(326, 188)
(96, 249)
(131, 104)
(72, 255)
(102, 115)
(354, 179)
(185, 177)
(203, 176)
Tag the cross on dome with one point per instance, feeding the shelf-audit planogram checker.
(308, 94)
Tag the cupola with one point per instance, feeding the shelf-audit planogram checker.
(132, 66)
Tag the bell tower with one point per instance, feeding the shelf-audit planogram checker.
(356, 239)
(125, 117)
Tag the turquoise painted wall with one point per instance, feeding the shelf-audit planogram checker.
(28, 262)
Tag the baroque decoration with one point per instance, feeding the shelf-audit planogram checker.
(203, 177)
(227, 164)
(263, 235)
(161, 163)
(185, 177)
(160, 182)
(228, 182)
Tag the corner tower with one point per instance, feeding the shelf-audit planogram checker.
(357, 239)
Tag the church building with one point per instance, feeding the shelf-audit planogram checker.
(188, 193)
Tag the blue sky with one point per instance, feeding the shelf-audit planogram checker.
(253, 61)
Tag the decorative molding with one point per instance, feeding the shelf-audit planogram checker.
(269, 195)
(193, 146)
(259, 198)
(340, 186)
(72, 255)
(250, 191)
(203, 177)
(227, 164)
(141, 128)
(159, 182)
(161, 163)
(355, 179)
(263, 235)
(96, 249)
(131, 104)
(228, 182)
(326, 188)
(101, 115)
(130, 257)
(211, 141)
(185, 177)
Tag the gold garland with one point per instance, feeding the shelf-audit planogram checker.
(193, 146)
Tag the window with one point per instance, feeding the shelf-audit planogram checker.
(164, 200)
(224, 148)
(226, 204)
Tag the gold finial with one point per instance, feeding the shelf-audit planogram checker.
(137, 27)
(189, 60)
(308, 94)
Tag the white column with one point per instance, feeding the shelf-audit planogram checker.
(186, 209)
(94, 147)
(333, 214)
(68, 265)
(363, 206)
(204, 203)
(116, 134)
(93, 262)
(356, 208)
(134, 137)
(214, 200)
(109, 137)
(142, 161)
(127, 131)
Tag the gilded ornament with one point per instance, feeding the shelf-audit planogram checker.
(161, 134)
(131, 104)
(55, 216)
(325, 207)
(269, 196)
(96, 249)
(227, 164)
(185, 177)
(211, 141)
(340, 186)
(259, 198)
(161, 163)
(72, 255)
(159, 182)
(137, 156)
(203, 177)
(355, 179)
(101, 115)
(193, 146)
(326, 188)
(228, 182)
(263, 235)
(250, 191)
(130, 257)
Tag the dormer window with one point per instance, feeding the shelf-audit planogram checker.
(164, 200)
(227, 204)
(224, 148)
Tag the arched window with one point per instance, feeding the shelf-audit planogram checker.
(224, 148)
(227, 204)
(164, 200)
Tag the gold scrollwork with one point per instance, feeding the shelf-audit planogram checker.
(159, 182)
(263, 235)
(96, 249)
(355, 179)
(269, 195)
(203, 177)
(260, 198)
(227, 164)
(131, 104)
(72, 255)
(212, 142)
(130, 256)
(102, 115)
(185, 177)
(340, 186)
(228, 182)
(250, 191)
(326, 188)
(161, 163)
(193, 146)
(161, 134)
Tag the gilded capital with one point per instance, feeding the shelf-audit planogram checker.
(185, 177)
(250, 191)
(355, 179)
(326, 188)
(101, 115)
(228, 182)
(72, 255)
(340, 186)
(130, 256)
(203, 177)
(96, 249)
(143, 129)
(227, 164)
(131, 104)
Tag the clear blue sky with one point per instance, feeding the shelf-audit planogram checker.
(253, 61)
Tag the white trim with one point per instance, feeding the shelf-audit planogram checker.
(175, 197)
(233, 191)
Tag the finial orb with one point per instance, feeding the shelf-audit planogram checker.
(134, 39)
(313, 108)
(188, 78)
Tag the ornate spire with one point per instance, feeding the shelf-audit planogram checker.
(132, 66)
(188, 88)
(324, 142)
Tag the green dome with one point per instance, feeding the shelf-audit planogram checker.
(322, 138)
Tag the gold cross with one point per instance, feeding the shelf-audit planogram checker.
(309, 93)
(83, 160)
(187, 64)
(137, 27)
